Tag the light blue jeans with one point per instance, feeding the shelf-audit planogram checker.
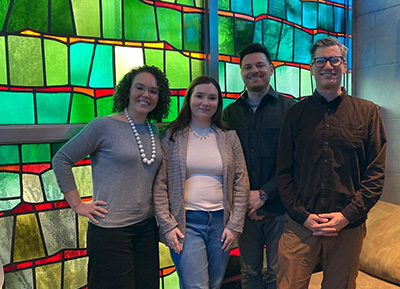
(202, 263)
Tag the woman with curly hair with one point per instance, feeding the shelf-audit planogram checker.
(125, 152)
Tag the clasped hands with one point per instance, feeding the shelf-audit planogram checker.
(327, 225)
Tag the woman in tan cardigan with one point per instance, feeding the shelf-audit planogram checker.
(202, 188)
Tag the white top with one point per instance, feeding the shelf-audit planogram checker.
(203, 185)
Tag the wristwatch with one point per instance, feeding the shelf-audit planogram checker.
(263, 195)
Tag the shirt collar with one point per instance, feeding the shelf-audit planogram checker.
(321, 100)
(271, 92)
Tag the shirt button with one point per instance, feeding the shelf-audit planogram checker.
(324, 180)
(326, 143)
(328, 125)
(325, 161)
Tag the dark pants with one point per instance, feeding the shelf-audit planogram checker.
(123, 257)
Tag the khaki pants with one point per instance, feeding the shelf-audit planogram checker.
(300, 251)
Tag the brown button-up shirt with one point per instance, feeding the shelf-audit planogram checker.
(331, 158)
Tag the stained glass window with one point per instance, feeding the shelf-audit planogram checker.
(59, 63)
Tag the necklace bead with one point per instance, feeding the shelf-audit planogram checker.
(139, 142)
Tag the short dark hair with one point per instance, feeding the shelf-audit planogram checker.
(185, 114)
(326, 42)
(121, 93)
(254, 48)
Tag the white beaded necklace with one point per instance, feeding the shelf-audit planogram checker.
(139, 142)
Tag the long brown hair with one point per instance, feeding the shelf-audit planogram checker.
(185, 115)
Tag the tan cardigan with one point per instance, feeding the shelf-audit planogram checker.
(168, 187)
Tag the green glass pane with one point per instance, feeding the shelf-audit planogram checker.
(258, 32)
(9, 154)
(27, 228)
(102, 70)
(260, 7)
(244, 33)
(294, 12)
(48, 276)
(11, 105)
(310, 15)
(340, 20)
(221, 66)
(55, 147)
(325, 17)
(82, 109)
(302, 45)
(3, 11)
(28, 14)
(9, 185)
(227, 101)
(32, 153)
(199, 3)
(171, 281)
(51, 190)
(19, 279)
(271, 29)
(241, 6)
(81, 56)
(193, 40)
(136, 16)
(56, 60)
(185, 2)
(25, 55)
(83, 179)
(111, 19)
(277, 8)
(285, 52)
(170, 26)
(306, 88)
(287, 80)
(173, 110)
(3, 61)
(177, 70)
(198, 67)
(154, 57)
(7, 205)
(223, 5)
(234, 81)
(104, 105)
(52, 107)
(6, 233)
(61, 19)
(226, 35)
(87, 17)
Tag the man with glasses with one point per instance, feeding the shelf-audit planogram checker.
(330, 173)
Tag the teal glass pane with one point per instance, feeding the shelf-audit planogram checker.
(52, 107)
(197, 68)
(136, 16)
(192, 35)
(56, 61)
(102, 70)
(310, 15)
(25, 56)
(325, 17)
(277, 8)
(87, 17)
(241, 6)
(32, 153)
(104, 105)
(61, 19)
(80, 60)
(221, 70)
(9, 154)
(28, 14)
(154, 57)
(244, 33)
(260, 7)
(3, 11)
(226, 41)
(258, 32)
(349, 54)
(111, 19)
(302, 45)
(285, 52)
(11, 105)
(287, 80)
(294, 12)
(177, 70)
(223, 5)
(227, 101)
(82, 109)
(3, 62)
(170, 28)
(271, 29)
(340, 21)
(234, 81)
(305, 82)
(50, 185)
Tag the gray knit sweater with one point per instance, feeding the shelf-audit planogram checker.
(119, 176)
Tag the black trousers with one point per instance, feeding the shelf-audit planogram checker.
(123, 257)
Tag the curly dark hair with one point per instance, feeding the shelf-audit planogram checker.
(121, 93)
(185, 115)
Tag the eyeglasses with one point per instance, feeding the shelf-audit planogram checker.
(334, 61)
